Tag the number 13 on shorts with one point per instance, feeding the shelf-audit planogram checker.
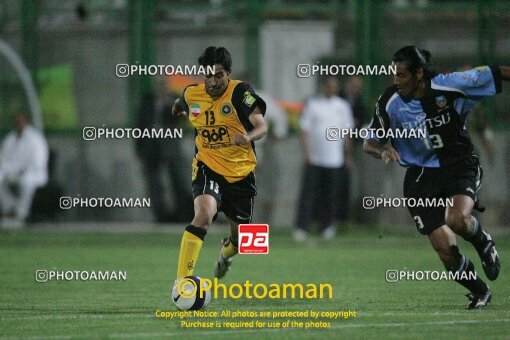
(253, 239)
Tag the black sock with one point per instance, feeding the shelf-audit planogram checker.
(478, 239)
(465, 272)
(234, 241)
(198, 232)
(475, 286)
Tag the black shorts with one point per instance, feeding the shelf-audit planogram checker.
(463, 178)
(234, 199)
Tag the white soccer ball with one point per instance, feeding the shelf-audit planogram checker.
(190, 293)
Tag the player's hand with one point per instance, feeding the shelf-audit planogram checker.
(240, 139)
(177, 109)
(389, 155)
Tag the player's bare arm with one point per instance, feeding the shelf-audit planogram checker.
(385, 152)
(259, 129)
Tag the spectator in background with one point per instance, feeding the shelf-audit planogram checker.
(23, 169)
(165, 155)
(269, 176)
(353, 94)
(323, 158)
(275, 116)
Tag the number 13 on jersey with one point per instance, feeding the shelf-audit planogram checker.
(435, 142)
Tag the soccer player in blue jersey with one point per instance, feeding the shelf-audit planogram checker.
(442, 165)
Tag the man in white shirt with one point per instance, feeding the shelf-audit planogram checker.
(323, 158)
(23, 169)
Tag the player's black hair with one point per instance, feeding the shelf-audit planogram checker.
(415, 59)
(216, 55)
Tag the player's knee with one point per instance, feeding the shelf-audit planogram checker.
(203, 216)
(456, 220)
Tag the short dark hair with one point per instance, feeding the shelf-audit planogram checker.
(216, 55)
(415, 59)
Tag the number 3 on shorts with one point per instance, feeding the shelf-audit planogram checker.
(214, 187)
(419, 222)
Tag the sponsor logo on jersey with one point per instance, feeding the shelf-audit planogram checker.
(441, 101)
(248, 99)
(438, 120)
(213, 137)
(226, 109)
(434, 122)
(195, 110)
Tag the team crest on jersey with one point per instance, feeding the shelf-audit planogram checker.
(226, 109)
(248, 99)
(195, 110)
(441, 101)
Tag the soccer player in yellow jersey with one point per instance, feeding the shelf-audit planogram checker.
(228, 117)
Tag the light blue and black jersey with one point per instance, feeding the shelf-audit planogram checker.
(440, 115)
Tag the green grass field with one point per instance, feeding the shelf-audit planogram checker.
(355, 264)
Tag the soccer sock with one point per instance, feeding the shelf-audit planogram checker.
(229, 248)
(477, 238)
(466, 271)
(191, 243)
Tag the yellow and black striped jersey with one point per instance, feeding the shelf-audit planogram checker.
(216, 122)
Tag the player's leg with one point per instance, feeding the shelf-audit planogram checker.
(307, 197)
(444, 243)
(7, 199)
(328, 186)
(430, 221)
(228, 250)
(207, 195)
(237, 204)
(463, 189)
(27, 189)
(205, 209)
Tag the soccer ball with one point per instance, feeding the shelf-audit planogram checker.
(189, 293)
